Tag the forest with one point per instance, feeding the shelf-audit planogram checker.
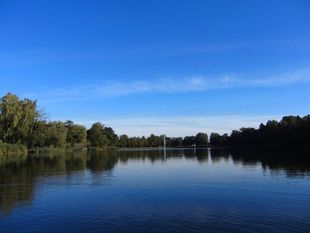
(22, 126)
(290, 130)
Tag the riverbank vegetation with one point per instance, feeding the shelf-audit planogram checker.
(23, 126)
(10, 149)
(291, 130)
(21, 123)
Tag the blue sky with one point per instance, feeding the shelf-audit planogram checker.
(174, 67)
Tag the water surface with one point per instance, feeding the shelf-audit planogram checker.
(201, 190)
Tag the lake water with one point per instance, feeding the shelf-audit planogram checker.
(261, 190)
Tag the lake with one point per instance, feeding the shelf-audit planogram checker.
(177, 190)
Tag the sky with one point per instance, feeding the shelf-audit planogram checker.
(166, 67)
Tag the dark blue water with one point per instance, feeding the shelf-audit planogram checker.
(152, 191)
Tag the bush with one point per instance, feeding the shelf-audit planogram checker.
(12, 149)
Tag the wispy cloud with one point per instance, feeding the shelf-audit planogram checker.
(180, 126)
(110, 89)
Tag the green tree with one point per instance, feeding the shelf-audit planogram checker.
(189, 141)
(39, 136)
(123, 140)
(215, 139)
(56, 134)
(17, 119)
(111, 136)
(154, 141)
(176, 142)
(76, 133)
(96, 135)
(201, 139)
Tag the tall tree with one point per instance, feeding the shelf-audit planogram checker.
(189, 141)
(96, 135)
(111, 136)
(56, 134)
(17, 118)
(123, 140)
(201, 139)
(76, 133)
(176, 142)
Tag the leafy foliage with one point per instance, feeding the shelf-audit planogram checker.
(76, 133)
(17, 119)
(9, 149)
(201, 140)
(96, 135)
(291, 130)
(22, 124)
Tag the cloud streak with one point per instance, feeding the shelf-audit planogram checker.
(112, 89)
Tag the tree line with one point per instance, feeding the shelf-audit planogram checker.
(22, 123)
(199, 140)
(290, 130)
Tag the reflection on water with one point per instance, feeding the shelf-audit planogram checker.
(292, 161)
(19, 176)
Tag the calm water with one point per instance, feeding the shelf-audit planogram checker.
(152, 191)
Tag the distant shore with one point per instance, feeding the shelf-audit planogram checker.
(23, 129)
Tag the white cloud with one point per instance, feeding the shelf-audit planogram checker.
(110, 89)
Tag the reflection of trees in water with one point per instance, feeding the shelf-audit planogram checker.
(219, 154)
(153, 156)
(98, 161)
(15, 184)
(17, 176)
(294, 161)
(141, 155)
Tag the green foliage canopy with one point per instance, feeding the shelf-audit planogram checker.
(96, 135)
